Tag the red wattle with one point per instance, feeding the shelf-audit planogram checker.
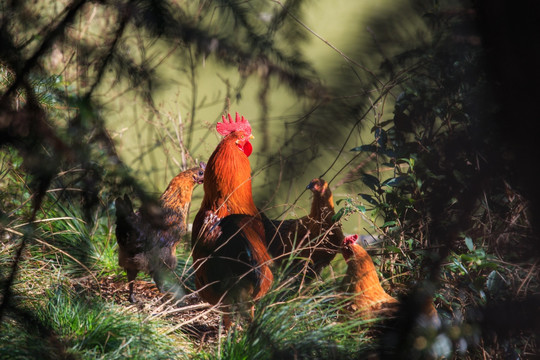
(248, 148)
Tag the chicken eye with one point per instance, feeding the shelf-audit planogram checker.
(201, 172)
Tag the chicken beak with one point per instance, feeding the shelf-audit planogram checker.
(251, 137)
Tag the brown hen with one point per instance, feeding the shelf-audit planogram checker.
(361, 280)
(315, 238)
(143, 246)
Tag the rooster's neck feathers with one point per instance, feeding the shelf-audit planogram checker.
(227, 185)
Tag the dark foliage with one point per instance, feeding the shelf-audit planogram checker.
(459, 162)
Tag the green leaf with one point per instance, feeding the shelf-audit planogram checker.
(384, 123)
(482, 295)
(395, 182)
(388, 223)
(381, 137)
(460, 266)
(369, 148)
(469, 243)
(371, 181)
(337, 216)
(410, 242)
(489, 265)
(466, 257)
(369, 199)
(403, 160)
(494, 282)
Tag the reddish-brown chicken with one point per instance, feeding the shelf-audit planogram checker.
(369, 298)
(228, 240)
(315, 237)
(151, 249)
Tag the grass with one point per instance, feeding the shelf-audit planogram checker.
(80, 324)
(52, 315)
(296, 324)
(97, 329)
(84, 246)
(83, 327)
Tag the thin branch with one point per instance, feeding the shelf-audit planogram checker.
(345, 56)
(106, 61)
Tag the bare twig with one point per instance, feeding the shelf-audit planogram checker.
(345, 56)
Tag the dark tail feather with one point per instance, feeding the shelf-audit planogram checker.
(271, 234)
(124, 207)
(275, 237)
(124, 227)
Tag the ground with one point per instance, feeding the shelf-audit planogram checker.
(194, 317)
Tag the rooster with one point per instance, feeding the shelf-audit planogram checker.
(315, 237)
(149, 248)
(231, 261)
(361, 280)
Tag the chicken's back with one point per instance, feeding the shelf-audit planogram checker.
(278, 235)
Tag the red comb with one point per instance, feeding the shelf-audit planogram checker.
(227, 127)
(351, 239)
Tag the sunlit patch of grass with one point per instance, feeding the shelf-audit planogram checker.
(336, 269)
(104, 246)
(59, 323)
(77, 245)
(95, 329)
